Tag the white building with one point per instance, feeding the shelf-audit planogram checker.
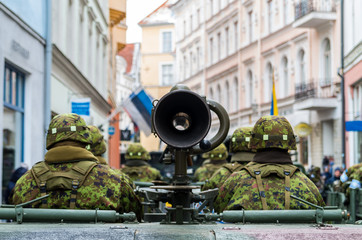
(22, 93)
(80, 57)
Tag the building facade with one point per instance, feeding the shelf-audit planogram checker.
(22, 93)
(353, 79)
(81, 59)
(245, 44)
(157, 59)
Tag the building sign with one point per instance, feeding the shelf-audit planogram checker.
(303, 129)
(18, 48)
(81, 106)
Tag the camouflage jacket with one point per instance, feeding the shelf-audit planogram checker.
(240, 191)
(220, 176)
(355, 172)
(124, 177)
(143, 173)
(206, 171)
(102, 188)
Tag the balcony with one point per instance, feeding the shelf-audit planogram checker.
(313, 13)
(319, 94)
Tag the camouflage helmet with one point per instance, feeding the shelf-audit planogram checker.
(136, 151)
(273, 132)
(69, 126)
(98, 146)
(240, 140)
(219, 153)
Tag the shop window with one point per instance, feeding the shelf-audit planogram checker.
(13, 121)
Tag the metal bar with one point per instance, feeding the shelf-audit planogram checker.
(58, 215)
(282, 216)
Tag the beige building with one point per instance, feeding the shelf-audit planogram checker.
(157, 59)
(229, 51)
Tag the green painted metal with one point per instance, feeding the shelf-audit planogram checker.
(283, 216)
(20, 215)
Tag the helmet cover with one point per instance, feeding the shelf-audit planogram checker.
(137, 151)
(98, 146)
(273, 132)
(69, 126)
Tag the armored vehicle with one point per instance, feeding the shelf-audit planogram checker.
(180, 210)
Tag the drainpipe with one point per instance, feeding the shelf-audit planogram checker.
(48, 64)
(341, 75)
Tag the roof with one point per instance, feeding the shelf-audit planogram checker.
(127, 53)
(162, 15)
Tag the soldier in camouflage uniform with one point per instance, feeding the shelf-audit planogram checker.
(71, 175)
(315, 175)
(217, 158)
(99, 147)
(137, 167)
(267, 182)
(353, 174)
(242, 154)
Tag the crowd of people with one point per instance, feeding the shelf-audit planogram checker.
(260, 175)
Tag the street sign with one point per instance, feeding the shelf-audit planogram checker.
(111, 130)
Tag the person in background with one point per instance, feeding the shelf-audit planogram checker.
(20, 171)
(217, 158)
(242, 154)
(137, 167)
(99, 147)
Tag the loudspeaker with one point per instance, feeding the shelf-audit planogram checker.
(181, 118)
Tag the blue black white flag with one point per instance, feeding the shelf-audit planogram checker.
(139, 107)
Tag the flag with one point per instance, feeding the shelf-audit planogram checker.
(274, 104)
(138, 107)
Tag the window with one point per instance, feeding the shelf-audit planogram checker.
(285, 81)
(184, 28)
(250, 21)
(269, 82)
(227, 39)
(270, 15)
(167, 74)
(301, 62)
(13, 121)
(285, 12)
(236, 37)
(218, 45)
(185, 66)
(250, 88)
(191, 64)
(191, 21)
(227, 96)
(326, 46)
(197, 59)
(236, 94)
(218, 94)
(211, 94)
(167, 41)
(198, 16)
(211, 8)
(211, 47)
